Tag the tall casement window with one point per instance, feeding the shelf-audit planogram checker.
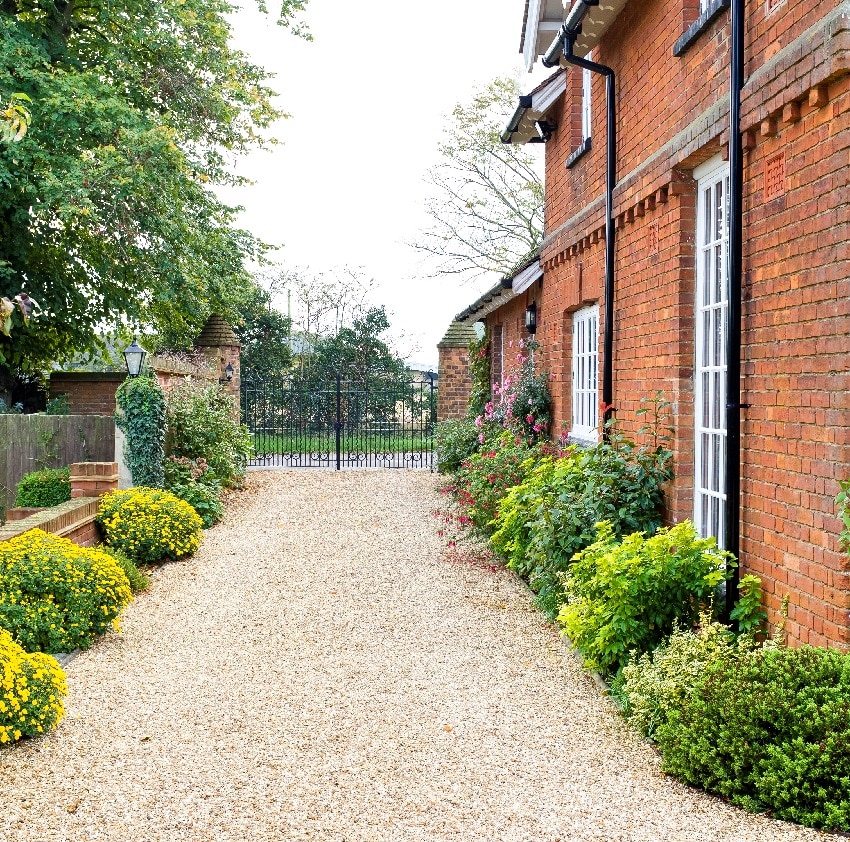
(712, 284)
(585, 374)
(586, 77)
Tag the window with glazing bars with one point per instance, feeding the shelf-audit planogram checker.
(712, 284)
(585, 373)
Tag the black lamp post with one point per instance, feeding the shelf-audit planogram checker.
(531, 318)
(134, 358)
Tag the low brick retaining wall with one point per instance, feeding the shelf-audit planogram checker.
(74, 520)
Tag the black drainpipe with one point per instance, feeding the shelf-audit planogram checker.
(567, 37)
(733, 341)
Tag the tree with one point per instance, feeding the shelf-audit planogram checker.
(487, 205)
(107, 213)
(265, 335)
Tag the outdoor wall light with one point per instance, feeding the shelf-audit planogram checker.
(134, 358)
(228, 374)
(531, 318)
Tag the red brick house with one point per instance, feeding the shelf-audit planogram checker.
(712, 264)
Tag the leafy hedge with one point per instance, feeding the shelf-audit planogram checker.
(32, 687)
(49, 487)
(141, 418)
(56, 596)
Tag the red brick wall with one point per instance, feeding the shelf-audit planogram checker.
(454, 382)
(672, 115)
(89, 393)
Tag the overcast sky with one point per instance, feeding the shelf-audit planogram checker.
(368, 98)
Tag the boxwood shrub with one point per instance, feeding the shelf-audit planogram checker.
(49, 487)
(56, 596)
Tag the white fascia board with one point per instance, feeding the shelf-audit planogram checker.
(544, 99)
(529, 52)
(523, 280)
(594, 26)
(492, 306)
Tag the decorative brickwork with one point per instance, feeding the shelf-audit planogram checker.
(91, 479)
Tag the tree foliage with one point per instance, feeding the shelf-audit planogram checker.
(107, 213)
(487, 205)
(264, 333)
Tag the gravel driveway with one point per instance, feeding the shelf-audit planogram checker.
(319, 671)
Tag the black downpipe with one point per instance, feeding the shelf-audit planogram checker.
(610, 183)
(733, 341)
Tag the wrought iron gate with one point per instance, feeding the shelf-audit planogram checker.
(341, 424)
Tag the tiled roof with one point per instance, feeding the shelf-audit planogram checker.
(216, 333)
(459, 335)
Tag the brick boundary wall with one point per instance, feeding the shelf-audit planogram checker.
(74, 520)
(455, 383)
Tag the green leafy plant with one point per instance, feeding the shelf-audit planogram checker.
(138, 581)
(748, 613)
(769, 730)
(142, 419)
(202, 424)
(479, 375)
(203, 499)
(456, 441)
(149, 525)
(32, 688)
(843, 503)
(48, 487)
(625, 596)
(654, 684)
(56, 596)
(58, 406)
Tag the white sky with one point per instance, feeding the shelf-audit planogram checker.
(368, 98)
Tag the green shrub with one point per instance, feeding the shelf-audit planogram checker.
(149, 525)
(49, 487)
(769, 730)
(58, 406)
(457, 440)
(138, 581)
(486, 476)
(56, 596)
(544, 522)
(843, 503)
(479, 376)
(32, 687)
(201, 425)
(204, 499)
(628, 595)
(656, 683)
(141, 417)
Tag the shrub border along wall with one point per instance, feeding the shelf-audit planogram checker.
(74, 520)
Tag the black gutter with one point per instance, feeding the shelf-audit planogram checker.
(569, 32)
(733, 339)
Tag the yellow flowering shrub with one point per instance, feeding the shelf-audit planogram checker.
(56, 596)
(149, 525)
(31, 691)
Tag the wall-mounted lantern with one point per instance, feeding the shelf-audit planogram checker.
(531, 318)
(134, 358)
(228, 374)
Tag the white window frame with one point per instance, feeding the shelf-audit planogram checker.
(711, 310)
(585, 375)
(586, 98)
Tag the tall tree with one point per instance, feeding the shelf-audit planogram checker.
(107, 213)
(265, 335)
(486, 207)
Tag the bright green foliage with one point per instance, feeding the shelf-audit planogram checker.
(456, 441)
(149, 525)
(659, 682)
(58, 406)
(192, 480)
(138, 581)
(49, 487)
(627, 595)
(748, 613)
(15, 118)
(32, 687)
(553, 514)
(56, 596)
(202, 424)
(479, 375)
(141, 416)
(107, 206)
(843, 502)
(264, 334)
(486, 476)
(769, 730)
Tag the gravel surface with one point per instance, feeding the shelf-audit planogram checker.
(321, 670)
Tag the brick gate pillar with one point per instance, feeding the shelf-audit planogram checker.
(455, 383)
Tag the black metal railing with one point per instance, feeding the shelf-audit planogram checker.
(347, 423)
